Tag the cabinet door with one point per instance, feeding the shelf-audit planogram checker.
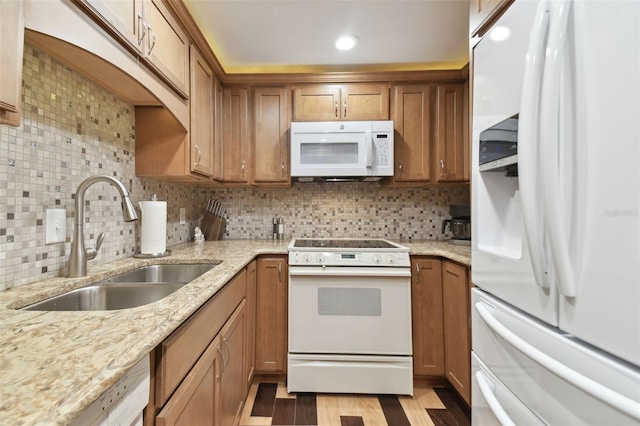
(364, 102)
(449, 133)
(11, 47)
(193, 403)
(232, 345)
(167, 45)
(124, 16)
(426, 305)
(457, 336)
(411, 113)
(271, 315)
(202, 109)
(251, 326)
(316, 103)
(271, 136)
(235, 136)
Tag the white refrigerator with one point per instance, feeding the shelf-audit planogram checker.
(556, 215)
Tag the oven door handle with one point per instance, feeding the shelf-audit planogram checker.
(348, 271)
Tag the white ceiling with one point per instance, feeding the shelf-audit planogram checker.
(267, 36)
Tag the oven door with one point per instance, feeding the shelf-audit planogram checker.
(331, 154)
(350, 310)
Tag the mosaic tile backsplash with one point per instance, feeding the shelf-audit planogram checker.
(72, 129)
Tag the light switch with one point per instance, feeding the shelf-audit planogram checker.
(183, 215)
(55, 223)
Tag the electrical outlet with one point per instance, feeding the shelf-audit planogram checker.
(55, 226)
(183, 215)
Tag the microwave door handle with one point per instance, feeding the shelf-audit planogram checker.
(370, 147)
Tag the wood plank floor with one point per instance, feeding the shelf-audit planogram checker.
(268, 403)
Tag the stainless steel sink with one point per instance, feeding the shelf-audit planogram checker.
(128, 290)
(173, 273)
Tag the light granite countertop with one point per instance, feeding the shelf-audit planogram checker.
(54, 364)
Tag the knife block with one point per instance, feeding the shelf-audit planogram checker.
(213, 227)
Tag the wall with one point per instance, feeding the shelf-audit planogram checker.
(358, 209)
(71, 129)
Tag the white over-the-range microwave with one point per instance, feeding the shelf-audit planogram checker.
(341, 150)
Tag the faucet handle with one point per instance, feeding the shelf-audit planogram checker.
(93, 252)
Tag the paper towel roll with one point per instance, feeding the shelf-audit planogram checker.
(153, 238)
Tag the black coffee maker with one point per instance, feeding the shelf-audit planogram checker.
(459, 224)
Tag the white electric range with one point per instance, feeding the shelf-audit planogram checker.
(349, 317)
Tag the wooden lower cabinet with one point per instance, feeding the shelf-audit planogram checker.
(250, 360)
(199, 371)
(426, 306)
(194, 401)
(457, 328)
(271, 314)
(231, 381)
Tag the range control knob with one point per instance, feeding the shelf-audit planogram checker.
(306, 258)
(377, 259)
(320, 258)
(391, 259)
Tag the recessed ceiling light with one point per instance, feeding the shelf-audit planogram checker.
(346, 42)
(499, 33)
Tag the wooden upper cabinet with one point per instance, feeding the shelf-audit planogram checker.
(449, 133)
(167, 45)
(125, 17)
(411, 113)
(236, 160)
(147, 27)
(483, 12)
(11, 46)
(341, 102)
(202, 111)
(271, 137)
(426, 310)
(457, 327)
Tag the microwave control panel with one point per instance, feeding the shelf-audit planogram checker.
(383, 149)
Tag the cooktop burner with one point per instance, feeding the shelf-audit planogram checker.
(347, 243)
(347, 252)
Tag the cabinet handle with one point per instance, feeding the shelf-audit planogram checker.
(142, 33)
(280, 272)
(442, 168)
(282, 168)
(242, 167)
(418, 273)
(336, 109)
(153, 42)
(228, 351)
(224, 362)
(345, 109)
(199, 156)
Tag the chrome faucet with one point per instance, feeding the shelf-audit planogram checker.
(79, 255)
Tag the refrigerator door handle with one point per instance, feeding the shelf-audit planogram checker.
(528, 159)
(620, 402)
(550, 148)
(492, 401)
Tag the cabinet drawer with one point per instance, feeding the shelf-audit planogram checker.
(180, 351)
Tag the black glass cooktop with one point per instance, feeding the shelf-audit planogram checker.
(349, 244)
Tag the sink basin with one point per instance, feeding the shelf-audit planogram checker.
(172, 273)
(128, 290)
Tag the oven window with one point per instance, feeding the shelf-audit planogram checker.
(349, 301)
